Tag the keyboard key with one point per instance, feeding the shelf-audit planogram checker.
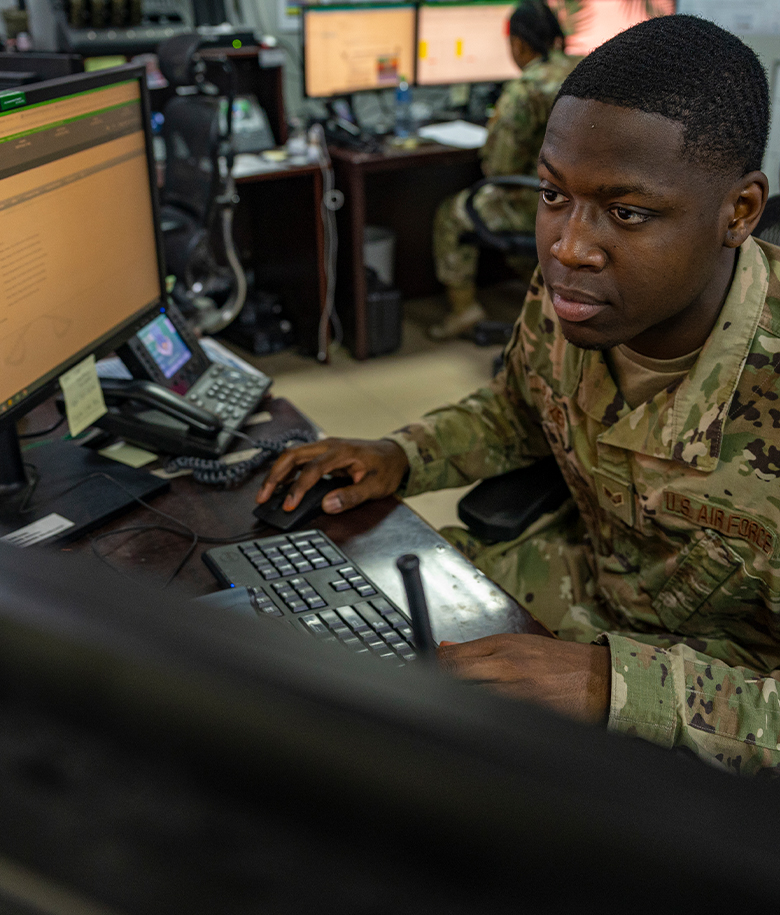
(395, 619)
(382, 605)
(353, 619)
(315, 625)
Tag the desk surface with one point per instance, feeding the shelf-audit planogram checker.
(400, 189)
(392, 157)
(463, 602)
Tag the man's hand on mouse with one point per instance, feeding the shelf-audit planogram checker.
(573, 679)
(376, 468)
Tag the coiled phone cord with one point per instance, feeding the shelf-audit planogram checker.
(219, 473)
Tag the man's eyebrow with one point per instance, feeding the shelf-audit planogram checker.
(609, 190)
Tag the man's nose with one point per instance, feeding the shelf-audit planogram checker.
(578, 244)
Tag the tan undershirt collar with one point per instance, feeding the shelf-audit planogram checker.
(639, 378)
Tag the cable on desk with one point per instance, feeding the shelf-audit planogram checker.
(332, 200)
(181, 529)
(219, 473)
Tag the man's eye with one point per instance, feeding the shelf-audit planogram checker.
(629, 217)
(551, 197)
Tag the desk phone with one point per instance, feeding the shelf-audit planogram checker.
(179, 403)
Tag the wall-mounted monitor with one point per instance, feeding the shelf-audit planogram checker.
(357, 47)
(464, 43)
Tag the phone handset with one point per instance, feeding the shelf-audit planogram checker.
(148, 393)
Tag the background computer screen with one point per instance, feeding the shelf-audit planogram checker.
(464, 43)
(598, 21)
(357, 47)
(78, 244)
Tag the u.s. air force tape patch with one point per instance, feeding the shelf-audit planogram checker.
(728, 521)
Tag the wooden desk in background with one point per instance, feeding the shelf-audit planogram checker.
(280, 235)
(399, 189)
(460, 597)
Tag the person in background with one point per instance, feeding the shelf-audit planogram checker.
(515, 134)
(646, 359)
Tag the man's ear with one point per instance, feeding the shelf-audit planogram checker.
(748, 198)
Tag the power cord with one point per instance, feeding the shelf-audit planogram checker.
(332, 200)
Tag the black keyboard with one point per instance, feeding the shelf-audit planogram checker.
(229, 393)
(304, 578)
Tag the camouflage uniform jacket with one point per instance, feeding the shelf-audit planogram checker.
(680, 505)
(516, 130)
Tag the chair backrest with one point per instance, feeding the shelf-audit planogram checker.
(768, 228)
(507, 242)
(191, 131)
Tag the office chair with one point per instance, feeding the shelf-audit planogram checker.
(501, 508)
(486, 333)
(508, 242)
(768, 228)
(199, 193)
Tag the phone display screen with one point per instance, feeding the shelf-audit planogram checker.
(165, 345)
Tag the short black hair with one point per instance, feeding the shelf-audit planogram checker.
(691, 71)
(538, 26)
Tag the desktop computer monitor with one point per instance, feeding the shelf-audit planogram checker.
(464, 43)
(80, 252)
(357, 47)
(158, 756)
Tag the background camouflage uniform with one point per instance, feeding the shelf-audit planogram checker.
(515, 135)
(671, 555)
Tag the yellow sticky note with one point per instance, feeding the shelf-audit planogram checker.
(423, 50)
(128, 454)
(459, 47)
(83, 395)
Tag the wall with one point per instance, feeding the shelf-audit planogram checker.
(757, 22)
(271, 17)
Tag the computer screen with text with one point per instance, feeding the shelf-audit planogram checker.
(357, 47)
(464, 43)
(78, 255)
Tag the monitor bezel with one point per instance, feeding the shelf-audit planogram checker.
(307, 8)
(61, 87)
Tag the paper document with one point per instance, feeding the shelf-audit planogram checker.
(456, 133)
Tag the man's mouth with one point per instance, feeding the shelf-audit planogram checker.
(574, 306)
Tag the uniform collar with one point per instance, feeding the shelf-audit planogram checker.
(554, 54)
(686, 425)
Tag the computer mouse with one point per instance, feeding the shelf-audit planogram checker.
(271, 512)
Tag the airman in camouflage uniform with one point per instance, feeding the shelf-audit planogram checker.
(515, 134)
(646, 359)
(674, 556)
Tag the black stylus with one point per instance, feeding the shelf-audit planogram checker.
(409, 566)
